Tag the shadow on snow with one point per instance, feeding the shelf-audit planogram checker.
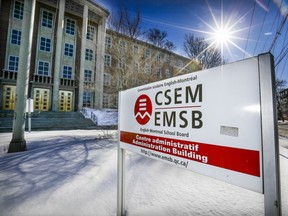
(47, 166)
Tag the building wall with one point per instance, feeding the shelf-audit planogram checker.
(84, 79)
(284, 103)
(134, 63)
(42, 65)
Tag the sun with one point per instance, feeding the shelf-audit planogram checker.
(223, 31)
(222, 35)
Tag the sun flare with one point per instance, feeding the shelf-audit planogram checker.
(222, 35)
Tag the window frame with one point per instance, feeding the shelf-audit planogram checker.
(46, 45)
(47, 22)
(107, 79)
(87, 95)
(18, 34)
(87, 78)
(15, 63)
(68, 49)
(20, 10)
(90, 33)
(70, 26)
(108, 41)
(89, 54)
(65, 69)
(44, 66)
(107, 63)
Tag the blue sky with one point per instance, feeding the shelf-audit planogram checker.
(253, 24)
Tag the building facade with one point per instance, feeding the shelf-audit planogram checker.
(284, 103)
(67, 37)
(74, 63)
(130, 62)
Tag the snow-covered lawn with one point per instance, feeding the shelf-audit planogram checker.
(102, 117)
(75, 173)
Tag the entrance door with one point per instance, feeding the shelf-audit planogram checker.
(65, 101)
(9, 93)
(41, 99)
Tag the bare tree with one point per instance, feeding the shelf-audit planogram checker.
(280, 84)
(158, 38)
(197, 48)
(125, 23)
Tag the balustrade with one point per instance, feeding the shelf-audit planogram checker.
(7, 74)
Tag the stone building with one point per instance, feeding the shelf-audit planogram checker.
(130, 62)
(284, 103)
(63, 58)
(74, 64)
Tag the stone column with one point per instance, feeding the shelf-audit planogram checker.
(100, 64)
(82, 57)
(18, 142)
(58, 55)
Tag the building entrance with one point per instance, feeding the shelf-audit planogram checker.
(65, 101)
(9, 93)
(41, 99)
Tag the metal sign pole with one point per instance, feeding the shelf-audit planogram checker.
(270, 145)
(121, 183)
(29, 115)
(120, 173)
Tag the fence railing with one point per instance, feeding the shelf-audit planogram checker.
(92, 116)
(7, 74)
(42, 79)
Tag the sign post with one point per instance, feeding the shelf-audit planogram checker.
(29, 110)
(120, 173)
(170, 121)
(272, 195)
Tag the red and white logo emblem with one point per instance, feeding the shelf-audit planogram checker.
(143, 109)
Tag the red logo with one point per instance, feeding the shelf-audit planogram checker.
(143, 109)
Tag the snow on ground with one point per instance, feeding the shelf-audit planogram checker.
(75, 173)
(103, 116)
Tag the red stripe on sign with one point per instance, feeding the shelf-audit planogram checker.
(236, 159)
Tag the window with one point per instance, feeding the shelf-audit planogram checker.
(121, 64)
(67, 72)
(107, 79)
(15, 37)
(18, 10)
(70, 26)
(47, 19)
(158, 72)
(135, 49)
(122, 46)
(90, 33)
(105, 101)
(108, 42)
(87, 99)
(136, 67)
(45, 44)
(43, 68)
(87, 75)
(107, 60)
(167, 59)
(147, 53)
(158, 58)
(89, 55)
(68, 49)
(180, 63)
(147, 69)
(167, 73)
(13, 63)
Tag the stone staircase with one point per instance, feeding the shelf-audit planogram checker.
(42, 121)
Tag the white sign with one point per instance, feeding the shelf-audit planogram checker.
(208, 122)
(29, 105)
